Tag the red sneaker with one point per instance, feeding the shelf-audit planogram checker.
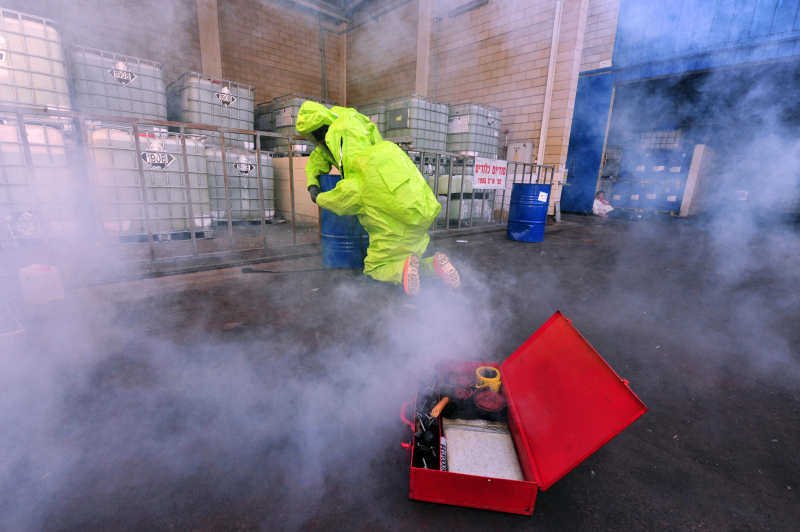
(411, 275)
(446, 271)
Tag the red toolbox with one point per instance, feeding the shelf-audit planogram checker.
(563, 403)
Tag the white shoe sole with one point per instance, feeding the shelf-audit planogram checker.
(411, 281)
(450, 276)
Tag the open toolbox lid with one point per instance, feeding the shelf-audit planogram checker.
(569, 400)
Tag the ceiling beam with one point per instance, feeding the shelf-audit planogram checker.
(324, 8)
(353, 5)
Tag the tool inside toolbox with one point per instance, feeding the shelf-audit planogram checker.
(462, 424)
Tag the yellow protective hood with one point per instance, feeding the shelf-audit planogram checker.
(313, 116)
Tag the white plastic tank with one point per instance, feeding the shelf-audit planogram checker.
(32, 67)
(481, 209)
(206, 100)
(109, 83)
(474, 129)
(242, 184)
(50, 187)
(422, 118)
(41, 284)
(116, 169)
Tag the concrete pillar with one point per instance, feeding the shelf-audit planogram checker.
(551, 75)
(343, 55)
(423, 46)
(565, 85)
(208, 22)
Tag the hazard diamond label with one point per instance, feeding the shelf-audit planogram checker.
(243, 167)
(156, 157)
(225, 97)
(122, 74)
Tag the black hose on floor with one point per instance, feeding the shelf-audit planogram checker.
(251, 270)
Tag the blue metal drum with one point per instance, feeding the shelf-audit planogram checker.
(344, 242)
(528, 212)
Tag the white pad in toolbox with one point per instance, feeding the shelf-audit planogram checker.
(481, 448)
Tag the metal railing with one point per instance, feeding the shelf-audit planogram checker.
(435, 165)
(85, 175)
(90, 202)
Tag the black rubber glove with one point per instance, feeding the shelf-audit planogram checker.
(313, 190)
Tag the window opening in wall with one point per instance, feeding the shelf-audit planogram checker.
(660, 140)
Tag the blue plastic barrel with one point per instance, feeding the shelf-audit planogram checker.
(528, 212)
(344, 242)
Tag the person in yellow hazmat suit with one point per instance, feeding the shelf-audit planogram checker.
(382, 186)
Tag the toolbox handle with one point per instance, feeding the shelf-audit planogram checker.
(403, 415)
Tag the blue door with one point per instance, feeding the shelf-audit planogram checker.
(585, 152)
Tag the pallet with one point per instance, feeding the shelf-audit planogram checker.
(173, 236)
(268, 221)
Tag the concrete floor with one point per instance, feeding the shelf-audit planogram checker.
(227, 401)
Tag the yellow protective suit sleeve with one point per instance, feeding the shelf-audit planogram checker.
(316, 166)
(344, 199)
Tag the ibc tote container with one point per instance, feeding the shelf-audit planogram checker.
(481, 208)
(108, 83)
(51, 185)
(265, 117)
(32, 67)
(285, 110)
(463, 169)
(243, 185)
(420, 117)
(376, 112)
(116, 169)
(474, 129)
(206, 100)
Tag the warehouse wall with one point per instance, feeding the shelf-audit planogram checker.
(499, 54)
(276, 49)
(161, 30)
(381, 55)
(601, 32)
(496, 54)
